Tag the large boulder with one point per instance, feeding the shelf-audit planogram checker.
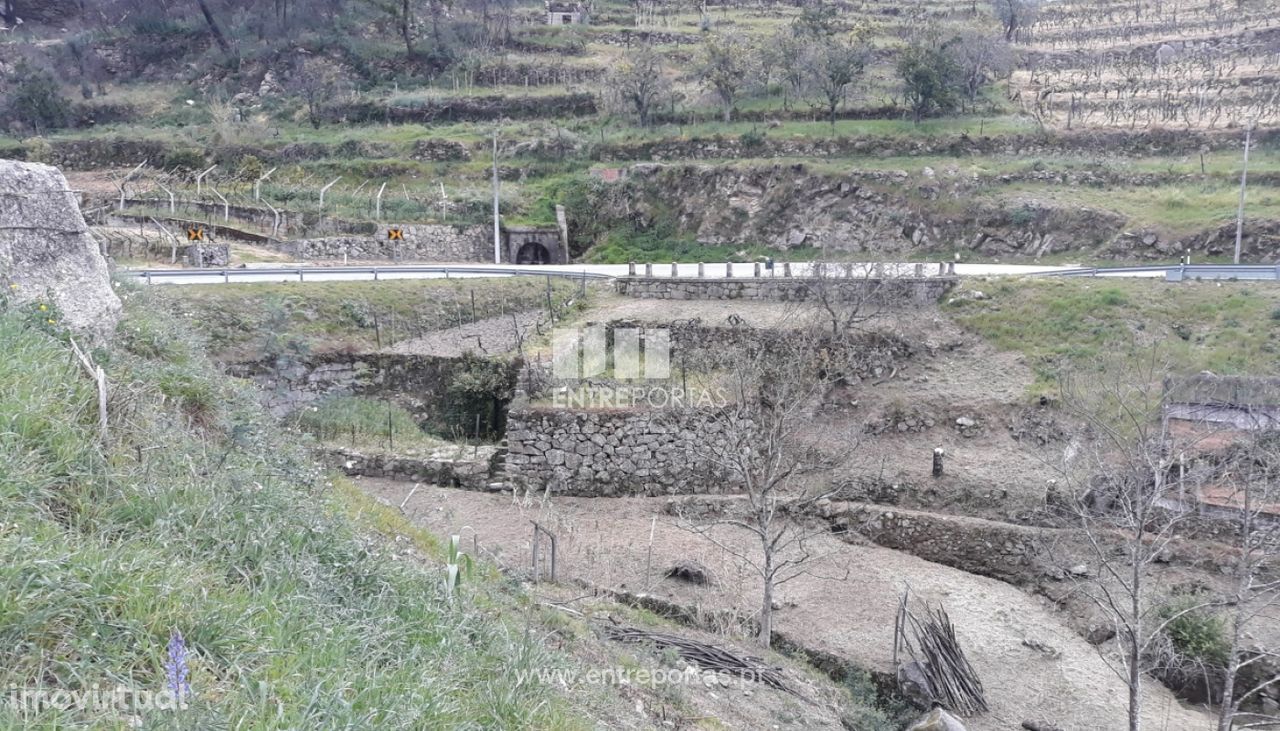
(937, 720)
(46, 250)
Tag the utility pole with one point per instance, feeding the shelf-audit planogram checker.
(1244, 177)
(497, 231)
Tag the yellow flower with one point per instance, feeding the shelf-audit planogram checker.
(53, 321)
(44, 308)
(13, 286)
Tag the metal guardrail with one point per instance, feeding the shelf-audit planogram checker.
(152, 275)
(1179, 272)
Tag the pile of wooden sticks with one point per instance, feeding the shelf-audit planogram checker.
(707, 657)
(931, 643)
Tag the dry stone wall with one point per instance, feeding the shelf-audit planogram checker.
(461, 467)
(888, 291)
(416, 382)
(426, 242)
(614, 452)
(1000, 550)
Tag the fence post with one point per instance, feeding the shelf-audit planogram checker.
(786, 268)
(675, 270)
(919, 270)
(728, 270)
(648, 269)
(702, 273)
(535, 553)
(631, 269)
(755, 271)
(942, 268)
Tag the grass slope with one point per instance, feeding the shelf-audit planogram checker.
(239, 319)
(1224, 327)
(195, 516)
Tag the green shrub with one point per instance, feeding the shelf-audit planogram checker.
(37, 101)
(1197, 634)
(370, 420)
(186, 159)
(752, 139)
(1023, 215)
(38, 149)
(477, 392)
(868, 710)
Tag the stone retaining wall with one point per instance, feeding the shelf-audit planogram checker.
(989, 548)
(462, 467)
(423, 242)
(896, 291)
(416, 382)
(613, 452)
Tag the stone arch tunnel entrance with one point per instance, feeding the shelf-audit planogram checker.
(533, 253)
(533, 245)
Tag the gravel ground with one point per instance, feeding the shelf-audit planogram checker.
(607, 542)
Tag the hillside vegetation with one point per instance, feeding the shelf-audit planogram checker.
(1021, 128)
(193, 515)
(1228, 328)
(248, 321)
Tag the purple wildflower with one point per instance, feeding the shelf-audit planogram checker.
(175, 669)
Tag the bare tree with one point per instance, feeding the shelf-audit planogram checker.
(842, 295)
(981, 57)
(401, 12)
(639, 83)
(726, 66)
(316, 80)
(786, 51)
(1250, 485)
(1015, 15)
(834, 63)
(1124, 493)
(214, 29)
(773, 384)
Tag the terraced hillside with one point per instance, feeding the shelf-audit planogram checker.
(1097, 130)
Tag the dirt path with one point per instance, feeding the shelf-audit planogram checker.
(607, 542)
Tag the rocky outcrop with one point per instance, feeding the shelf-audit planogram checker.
(791, 206)
(1120, 142)
(47, 254)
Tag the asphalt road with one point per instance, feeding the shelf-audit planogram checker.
(312, 273)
